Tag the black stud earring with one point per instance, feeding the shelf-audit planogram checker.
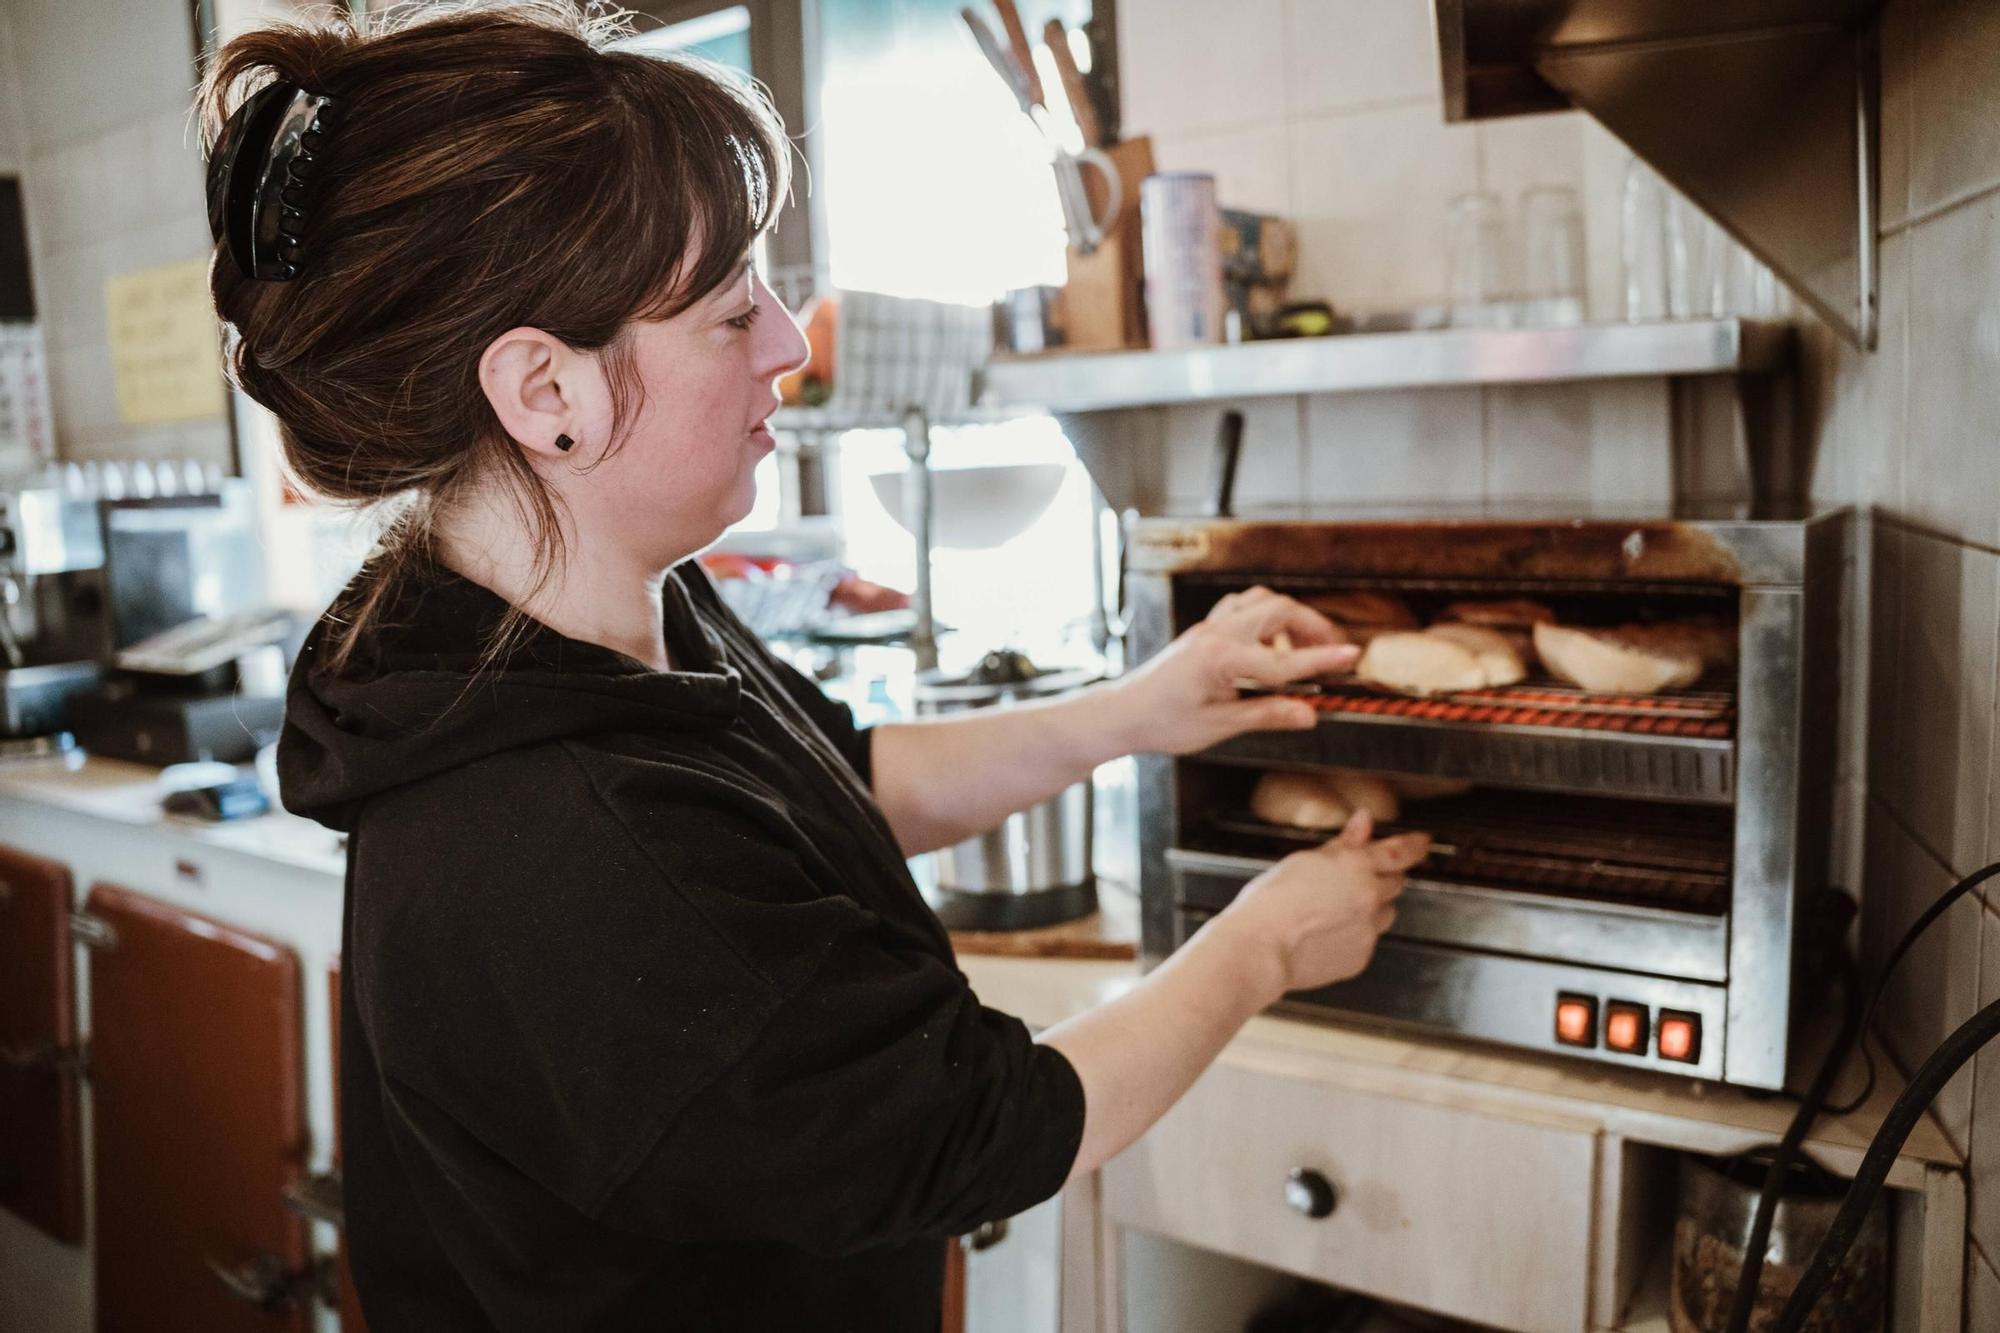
(565, 443)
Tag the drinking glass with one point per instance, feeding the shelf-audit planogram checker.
(1644, 245)
(1552, 239)
(1479, 268)
(1694, 262)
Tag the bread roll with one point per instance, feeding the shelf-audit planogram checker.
(1416, 662)
(1517, 612)
(1498, 658)
(1365, 610)
(1300, 800)
(1614, 661)
(1710, 640)
(1367, 792)
(1412, 787)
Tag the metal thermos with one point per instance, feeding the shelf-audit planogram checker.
(1035, 868)
(1718, 1202)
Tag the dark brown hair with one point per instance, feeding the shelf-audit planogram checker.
(495, 166)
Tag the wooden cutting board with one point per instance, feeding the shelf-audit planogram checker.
(1110, 932)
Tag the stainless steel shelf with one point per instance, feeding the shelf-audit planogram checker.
(1349, 363)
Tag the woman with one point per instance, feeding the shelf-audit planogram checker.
(644, 1023)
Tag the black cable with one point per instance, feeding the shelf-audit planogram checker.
(1903, 1115)
(1788, 1152)
(1809, 1110)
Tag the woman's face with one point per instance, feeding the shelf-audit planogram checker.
(708, 379)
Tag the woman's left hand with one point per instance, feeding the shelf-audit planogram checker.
(1186, 697)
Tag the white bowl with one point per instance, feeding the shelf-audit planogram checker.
(976, 507)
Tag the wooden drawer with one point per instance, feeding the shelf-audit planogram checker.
(1466, 1214)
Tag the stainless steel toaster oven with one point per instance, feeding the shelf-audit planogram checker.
(1625, 878)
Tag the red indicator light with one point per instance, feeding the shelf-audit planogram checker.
(1680, 1036)
(1576, 1020)
(1625, 1027)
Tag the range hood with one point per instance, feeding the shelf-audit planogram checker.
(1762, 112)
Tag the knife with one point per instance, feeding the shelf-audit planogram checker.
(1024, 55)
(1003, 64)
(1078, 221)
(1074, 89)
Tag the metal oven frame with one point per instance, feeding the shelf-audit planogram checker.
(1487, 963)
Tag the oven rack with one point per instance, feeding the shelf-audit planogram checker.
(1674, 747)
(1649, 858)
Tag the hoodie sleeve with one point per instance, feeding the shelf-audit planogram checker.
(882, 1103)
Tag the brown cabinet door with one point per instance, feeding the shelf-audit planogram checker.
(199, 1124)
(41, 1166)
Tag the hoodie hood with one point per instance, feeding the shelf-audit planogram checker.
(413, 700)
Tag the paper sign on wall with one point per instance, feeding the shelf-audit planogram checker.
(164, 353)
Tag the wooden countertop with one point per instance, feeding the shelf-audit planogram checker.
(1646, 1107)
(1110, 933)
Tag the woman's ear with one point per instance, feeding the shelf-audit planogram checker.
(539, 388)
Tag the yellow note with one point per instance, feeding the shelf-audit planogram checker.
(165, 344)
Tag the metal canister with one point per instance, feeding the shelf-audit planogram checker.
(1035, 868)
(1718, 1202)
(1181, 242)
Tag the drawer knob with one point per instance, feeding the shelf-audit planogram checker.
(1310, 1193)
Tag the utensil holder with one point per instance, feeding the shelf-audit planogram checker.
(1104, 296)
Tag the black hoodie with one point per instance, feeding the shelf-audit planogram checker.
(644, 1023)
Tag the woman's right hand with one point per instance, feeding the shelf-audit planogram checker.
(1313, 918)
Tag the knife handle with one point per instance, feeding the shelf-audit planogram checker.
(1024, 55)
(1074, 88)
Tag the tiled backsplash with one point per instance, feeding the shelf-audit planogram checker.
(1345, 92)
(111, 172)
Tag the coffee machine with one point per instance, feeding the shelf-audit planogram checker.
(54, 626)
(183, 584)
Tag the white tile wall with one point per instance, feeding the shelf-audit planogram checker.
(1984, 1202)
(1270, 466)
(1936, 987)
(13, 145)
(1899, 108)
(1252, 167)
(113, 184)
(1885, 697)
(1950, 632)
(1187, 68)
(1521, 151)
(1372, 191)
(1956, 150)
(1862, 435)
(1345, 54)
(1953, 478)
(90, 66)
(1375, 448)
(1982, 1293)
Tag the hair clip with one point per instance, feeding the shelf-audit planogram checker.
(260, 178)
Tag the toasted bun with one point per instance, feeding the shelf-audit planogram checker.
(1300, 800)
(1614, 661)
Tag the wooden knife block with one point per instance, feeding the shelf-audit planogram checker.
(1103, 299)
